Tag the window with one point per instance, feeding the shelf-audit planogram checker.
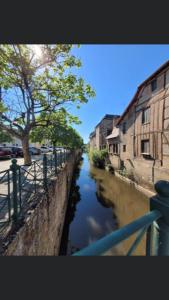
(124, 148)
(124, 128)
(115, 148)
(109, 131)
(145, 147)
(146, 115)
(154, 85)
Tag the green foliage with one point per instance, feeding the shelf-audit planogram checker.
(60, 133)
(86, 148)
(37, 88)
(2, 108)
(5, 137)
(41, 82)
(98, 157)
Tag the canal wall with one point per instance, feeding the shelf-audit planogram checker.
(145, 191)
(145, 172)
(41, 229)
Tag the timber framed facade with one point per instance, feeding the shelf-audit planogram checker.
(144, 130)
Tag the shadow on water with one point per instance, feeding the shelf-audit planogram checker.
(71, 209)
(99, 203)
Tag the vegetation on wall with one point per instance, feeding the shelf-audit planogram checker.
(98, 157)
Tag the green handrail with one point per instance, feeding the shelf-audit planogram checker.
(106, 243)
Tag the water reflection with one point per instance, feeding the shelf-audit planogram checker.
(71, 210)
(99, 204)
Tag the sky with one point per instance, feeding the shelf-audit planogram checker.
(114, 72)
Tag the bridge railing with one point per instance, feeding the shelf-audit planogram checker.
(155, 224)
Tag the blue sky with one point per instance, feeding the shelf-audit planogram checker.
(114, 71)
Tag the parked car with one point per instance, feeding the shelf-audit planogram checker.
(16, 151)
(51, 148)
(44, 149)
(5, 152)
(59, 148)
(34, 151)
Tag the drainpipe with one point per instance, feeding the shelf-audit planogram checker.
(134, 138)
(161, 134)
(154, 158)
(163, 118)
(153, 170)
(119, 161)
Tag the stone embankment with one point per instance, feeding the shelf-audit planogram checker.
(41, 229)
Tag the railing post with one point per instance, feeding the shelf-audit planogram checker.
(161, 203)
(9, 197)
(45, 172)
(14, 167)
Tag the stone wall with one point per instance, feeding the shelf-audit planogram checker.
(126, 139)
(41, 231)
(115, 161)
(144, 172)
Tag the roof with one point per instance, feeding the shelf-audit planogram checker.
(107, 116)
(114, 134)
(92, 134)
(159, 70)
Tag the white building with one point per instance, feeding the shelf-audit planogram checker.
(17, 142)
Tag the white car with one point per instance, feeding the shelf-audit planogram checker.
(44, 149)
(51, 148)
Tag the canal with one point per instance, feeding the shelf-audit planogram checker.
(100, 203)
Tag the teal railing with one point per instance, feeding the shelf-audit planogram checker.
(20, 182)
(154, 224)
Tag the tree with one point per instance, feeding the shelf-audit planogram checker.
(5, 137)
(36, 82)
(60, 133)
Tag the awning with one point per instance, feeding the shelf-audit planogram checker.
(114, 134)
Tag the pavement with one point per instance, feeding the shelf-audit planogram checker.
(27, 182)
(5, 163)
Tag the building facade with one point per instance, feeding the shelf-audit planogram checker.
(17, 142)
(143, 140)
(102, 130)
(92, 140)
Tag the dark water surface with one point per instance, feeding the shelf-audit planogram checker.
(100, 203)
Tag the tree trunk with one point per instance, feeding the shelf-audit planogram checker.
(26, 154)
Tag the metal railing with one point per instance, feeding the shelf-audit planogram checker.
(5, 198)
(20, 182)
(154, 224)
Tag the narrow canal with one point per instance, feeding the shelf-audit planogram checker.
(100, 203)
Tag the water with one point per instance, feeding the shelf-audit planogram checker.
(100, 203)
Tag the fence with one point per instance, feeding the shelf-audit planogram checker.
(19, 183)
(154, 224)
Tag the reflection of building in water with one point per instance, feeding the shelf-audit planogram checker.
(99, 193)
(106, 202)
